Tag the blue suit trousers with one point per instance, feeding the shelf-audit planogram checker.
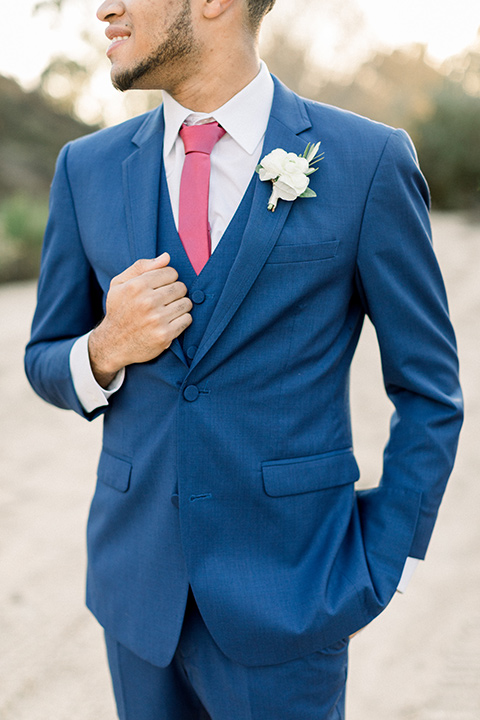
(201, 683)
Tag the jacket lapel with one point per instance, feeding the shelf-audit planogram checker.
(288, 118)
(141, 186)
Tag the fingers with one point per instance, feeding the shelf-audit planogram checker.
(175, 291)
(151, 275)
(140, 267)
(180, 324)
(177, 308)
(146, 309)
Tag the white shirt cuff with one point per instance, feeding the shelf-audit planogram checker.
(89, 392)
(408, 570)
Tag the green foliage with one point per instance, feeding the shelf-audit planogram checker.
(22, 224)
(23, 220)
(448, 144)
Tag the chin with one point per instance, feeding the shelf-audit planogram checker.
(137, 78)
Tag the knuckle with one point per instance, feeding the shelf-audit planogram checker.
(172, 289)
(162, 335)
(115, 282)
(170, 275)
(144, 303)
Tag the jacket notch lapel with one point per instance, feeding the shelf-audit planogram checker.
(141, 184)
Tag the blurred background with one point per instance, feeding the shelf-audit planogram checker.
(414, 64)
(411, 64)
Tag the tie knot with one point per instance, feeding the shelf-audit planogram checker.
(201, 138)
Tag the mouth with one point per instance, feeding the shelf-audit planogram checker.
(116, 39)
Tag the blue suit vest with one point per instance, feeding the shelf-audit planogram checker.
(204, 289)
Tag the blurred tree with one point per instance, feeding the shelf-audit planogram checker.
(448, 143)
(64, 80)
(465, 68)
(396, 88)
(306, 43)
(31, 135)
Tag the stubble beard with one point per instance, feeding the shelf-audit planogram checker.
(171, 56)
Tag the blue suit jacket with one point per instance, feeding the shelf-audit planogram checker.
(284, 556)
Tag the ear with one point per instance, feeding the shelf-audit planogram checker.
(214, 8)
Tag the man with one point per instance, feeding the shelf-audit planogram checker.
(230, 557)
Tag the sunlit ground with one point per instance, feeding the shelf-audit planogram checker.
(419, 660)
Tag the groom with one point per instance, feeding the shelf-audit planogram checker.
(230, 556)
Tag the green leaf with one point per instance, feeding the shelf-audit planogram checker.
(258, 168)
(306, 151)
(308, 193)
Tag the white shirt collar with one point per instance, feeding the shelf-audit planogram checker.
(244, 117)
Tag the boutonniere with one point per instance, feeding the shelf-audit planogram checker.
(289, 173)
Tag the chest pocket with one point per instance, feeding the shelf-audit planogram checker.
(306, 252)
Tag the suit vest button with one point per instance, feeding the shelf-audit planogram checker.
(191, 393)
(198, 296)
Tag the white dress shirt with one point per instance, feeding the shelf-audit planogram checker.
(233, 161)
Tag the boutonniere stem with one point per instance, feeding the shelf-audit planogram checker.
(289, 173)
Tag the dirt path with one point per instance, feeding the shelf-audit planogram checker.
(419, 661)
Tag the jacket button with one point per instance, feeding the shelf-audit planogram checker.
(191, 393)
(191, 351)
(198, 296)
(174, 499)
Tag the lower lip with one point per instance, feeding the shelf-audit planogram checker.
(115, 45)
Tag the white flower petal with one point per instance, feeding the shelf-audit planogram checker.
(268, 174)
(273, 162)
(296, 181)
(285, 191)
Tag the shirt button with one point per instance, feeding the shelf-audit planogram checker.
(198, 296)
(191, 393)
(191, 351)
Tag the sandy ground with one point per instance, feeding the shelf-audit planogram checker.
(419, 661)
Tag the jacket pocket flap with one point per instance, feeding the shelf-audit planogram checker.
(307, 474)
(114, 471)
(303, 253)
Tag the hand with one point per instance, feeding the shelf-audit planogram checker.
(147, 309)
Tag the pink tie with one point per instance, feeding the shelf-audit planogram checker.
(193, 227)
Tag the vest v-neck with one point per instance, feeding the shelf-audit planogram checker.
(168, 233)
(204, 289)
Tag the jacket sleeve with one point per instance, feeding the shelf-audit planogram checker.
(403, 293)
(68, 303)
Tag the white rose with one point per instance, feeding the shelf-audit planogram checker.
(287, 187)
(291, 186)
(294, 164)
(289, 174)
(272, 164)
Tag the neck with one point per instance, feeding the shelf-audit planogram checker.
(216, 80)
